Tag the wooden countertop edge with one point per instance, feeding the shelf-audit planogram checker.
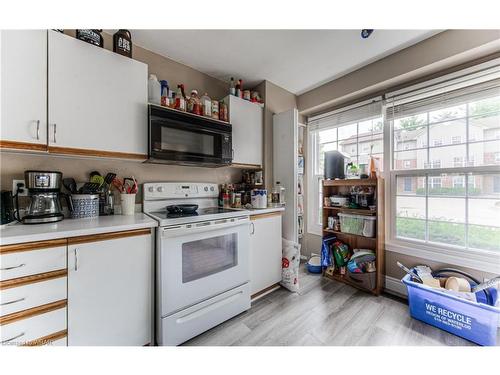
(257, 216)
(34, 311)
(46, 340)
(35, 245)
(108, 236)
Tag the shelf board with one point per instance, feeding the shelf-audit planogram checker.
(357, 211)
(344, 279)
(349, 234)
(351, 182)
(189, 114)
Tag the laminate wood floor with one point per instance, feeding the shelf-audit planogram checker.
(325, 312)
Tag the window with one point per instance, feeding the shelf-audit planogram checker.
(456, 187)
(357, 133)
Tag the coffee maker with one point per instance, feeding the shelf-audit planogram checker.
(44, 190)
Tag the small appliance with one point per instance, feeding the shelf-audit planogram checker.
(7, 207)
(44, 191)
(334, 165)
(177, 137)
(338, 201)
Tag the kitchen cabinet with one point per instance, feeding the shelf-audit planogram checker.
(265, 251)
(110, 290)
(246, 119)
(23, 78)
(97, 100)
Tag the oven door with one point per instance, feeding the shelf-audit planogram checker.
(174, 139)
(201, 260)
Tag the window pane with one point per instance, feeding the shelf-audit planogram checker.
(349, 147)
(484, 106)
(328, 135)
(408, 139)
(445, 157)
(321, 157)
(447, 233)
(348, 131)
(447, 133)
(485, 127)
(410, 159)
(448, 113)
(484, 153)
(411, 122)
(451, 185)
(409, 185)
(410, 216)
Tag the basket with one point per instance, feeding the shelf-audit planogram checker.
(357, 224)
(476, 322)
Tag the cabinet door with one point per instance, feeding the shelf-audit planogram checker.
(23, 93)
(265, 251)
(110, 291)
(97, 100)
(247, 121)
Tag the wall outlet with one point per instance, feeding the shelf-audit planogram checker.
(19, 184)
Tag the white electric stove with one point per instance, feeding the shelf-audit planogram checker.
(202, 260)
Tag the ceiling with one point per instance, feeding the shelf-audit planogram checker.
(297, 60)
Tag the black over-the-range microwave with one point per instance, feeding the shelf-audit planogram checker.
(177, 137)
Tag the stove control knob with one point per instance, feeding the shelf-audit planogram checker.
(206, 188)
(151, 189)
(211, 188)
(159, 189)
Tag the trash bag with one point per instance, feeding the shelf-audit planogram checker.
(290, 263)
(326, 254)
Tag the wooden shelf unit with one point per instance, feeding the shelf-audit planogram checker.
(342, 187)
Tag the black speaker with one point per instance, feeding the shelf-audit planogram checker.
(334, 165)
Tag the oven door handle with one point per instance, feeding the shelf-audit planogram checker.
(201, 227)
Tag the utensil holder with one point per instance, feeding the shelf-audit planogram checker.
(127, 203)
(85, 206)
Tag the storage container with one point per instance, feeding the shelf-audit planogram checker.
(477, 322)
(365, 280)
(357, 224)
(85, 206)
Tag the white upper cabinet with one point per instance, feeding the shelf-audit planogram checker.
(247, 121)
(97, 99)
(23, 92)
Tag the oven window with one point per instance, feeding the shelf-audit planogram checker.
(209, 256)
(186, 142)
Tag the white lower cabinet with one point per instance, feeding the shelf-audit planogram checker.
(265, 251)
(110, 289)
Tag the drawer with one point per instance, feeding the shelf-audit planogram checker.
(24, 263)
(22, 331)
(31, 295)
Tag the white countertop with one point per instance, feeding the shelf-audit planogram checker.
(259, 211)
(19, 233)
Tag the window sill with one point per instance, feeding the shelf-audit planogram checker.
(484, 261)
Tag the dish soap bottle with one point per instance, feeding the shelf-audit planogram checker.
(278, 195)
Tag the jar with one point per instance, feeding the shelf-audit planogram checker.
(278, 195)
(246, 94)
(194, 103)
(223, 111)
(206, 104)
(215, 109)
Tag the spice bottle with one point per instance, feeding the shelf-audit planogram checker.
(206, 104)
(239, 89)
(232, 88)
(164, 93)
(180, 99)
(215, 109)
(194, 103)
(223, 111)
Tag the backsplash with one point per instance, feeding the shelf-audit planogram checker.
(13, 166)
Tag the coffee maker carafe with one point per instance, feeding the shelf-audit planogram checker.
(44, 190)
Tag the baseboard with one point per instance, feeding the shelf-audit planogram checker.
(395, 286)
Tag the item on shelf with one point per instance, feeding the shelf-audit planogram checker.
(360, 225)
(300, 204)
(361, 261)
(336, 224)
(223, 112)
(180, 98)
(122, 42)
(237, 200)
(326, 252)
(206, 105)
(300, 229)
(246, 95)
(351, 171)
(171, 100)
(290, 264)
(7, 207)
(232, 87)
(84, 206)
(165, 93)
(259, 178)
(259, 198)
(239, 89)
(334, 165)
(300, 165)
(300, 184)
(341, 253)
(330, 222)
(374, 167)
(278, 195)
(314, 264)
(215, 109)
(92, 36)
(255, 97)
(367, 280)
(154, 90)
(194, 103)
(338, 201)
(326, 201)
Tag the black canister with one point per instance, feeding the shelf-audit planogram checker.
(122, 42)
(92, 36)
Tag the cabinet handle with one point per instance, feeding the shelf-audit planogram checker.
(37, 130)
(13, 267)
(252, 225)
(55, 130)
(13, 338)
(11, 302)
(76, 260)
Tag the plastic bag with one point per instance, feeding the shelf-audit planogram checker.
(290, 263)
(341, 253)
(326, 255)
